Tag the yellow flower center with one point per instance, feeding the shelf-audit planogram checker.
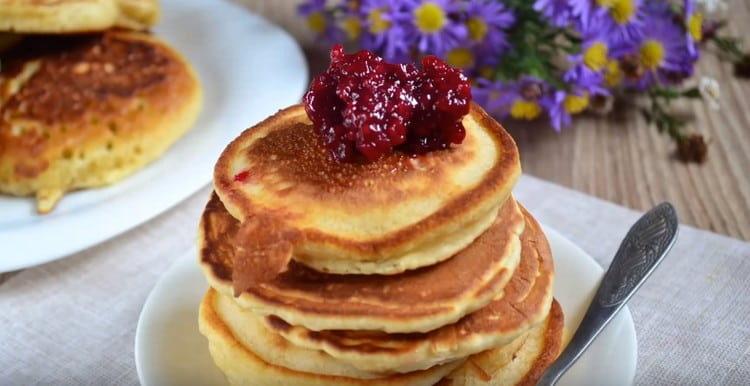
(377, 23)
(429, 17)
(487, 72)
(574, 104)
(523, 109)
(651, 54)
(477, 29)
(317, 22)
(695, 26)
(462, 58)
(352, 27)
(613, 73)
(595, 57)
(620, 10)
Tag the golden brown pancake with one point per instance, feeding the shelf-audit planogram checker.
(414, 301)
(523, 303)
(398, 213)
(235, 357)
(522, 366)
(87, 110)
(76, 16)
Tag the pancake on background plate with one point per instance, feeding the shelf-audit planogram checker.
(85, 111)
(386, 217)
(75, 16)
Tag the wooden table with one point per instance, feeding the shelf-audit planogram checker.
(622, 159)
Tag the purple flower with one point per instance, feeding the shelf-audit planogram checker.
(626, 16)
(486, 23)
(383, 30)
(562, 105)
(662, 53)
(693, 26)
(555, 105)
(558, 12)
(588, 68)
(522, 99)
(582, 11)
(432, 26)
(494, 96)
(320, 20)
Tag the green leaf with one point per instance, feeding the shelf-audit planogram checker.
(693, 93)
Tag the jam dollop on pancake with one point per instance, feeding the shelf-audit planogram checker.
(84, 111)
(365, 105)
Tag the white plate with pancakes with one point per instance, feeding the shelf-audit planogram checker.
(248, 68)
(169, 350)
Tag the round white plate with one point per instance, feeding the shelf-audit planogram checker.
(169, 350)
(249, 68)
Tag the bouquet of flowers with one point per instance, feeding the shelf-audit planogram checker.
(549, 58)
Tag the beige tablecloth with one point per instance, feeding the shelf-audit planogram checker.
(73, 321)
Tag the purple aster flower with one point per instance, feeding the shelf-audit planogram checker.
(584, 79)
(555, 105)
(432, 26)
(558, 12)
(486, 23)
(662, 53)
(383, 29)
(597, 49)
(320, 20)
(522, 99)
(562, 105)
(494, 96)
(693, 26)
(625, 15)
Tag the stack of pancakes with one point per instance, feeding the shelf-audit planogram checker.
(86, 96)
(412, 270)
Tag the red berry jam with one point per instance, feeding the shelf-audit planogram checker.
(242, 176)
(364, 105)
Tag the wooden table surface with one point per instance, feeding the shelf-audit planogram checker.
(622, 159)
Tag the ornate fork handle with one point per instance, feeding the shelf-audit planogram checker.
(643, 248)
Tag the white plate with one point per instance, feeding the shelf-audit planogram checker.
(249, 68)
(169, 350)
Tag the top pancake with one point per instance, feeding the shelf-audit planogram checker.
(395, 214)
(75, 16)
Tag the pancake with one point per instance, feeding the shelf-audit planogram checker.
(75, 16)
(523, 303)
(86, 111)
(396, 214)
(522, 367)
(242, 366)
(414, 301)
